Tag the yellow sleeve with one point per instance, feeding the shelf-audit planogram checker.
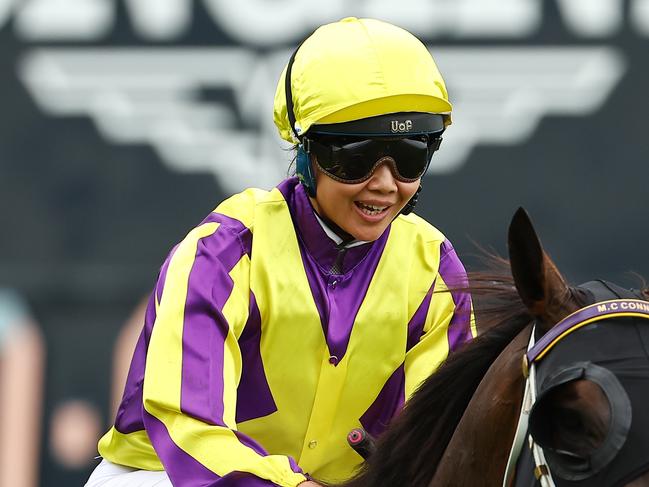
(193, 367)
(449, 320)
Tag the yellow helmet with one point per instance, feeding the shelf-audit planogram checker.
(355, 69)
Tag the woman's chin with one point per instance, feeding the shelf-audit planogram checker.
(367, 233)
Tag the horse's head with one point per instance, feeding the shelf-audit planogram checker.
(591, 386)
(590, 377)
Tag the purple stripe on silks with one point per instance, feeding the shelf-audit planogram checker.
(242, 234)
(388, 403)
(339, 297)
(255, 398)
(418, 320)
(129, 413)
(184, 470)
(295, 467)
(347, 295)
(250, 443)
(257, 448)
(205, 328)
(454, 275)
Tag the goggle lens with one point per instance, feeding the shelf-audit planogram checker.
(353, 159)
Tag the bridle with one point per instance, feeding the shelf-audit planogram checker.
(538, 350)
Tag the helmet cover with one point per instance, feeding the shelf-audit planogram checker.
(359, 68)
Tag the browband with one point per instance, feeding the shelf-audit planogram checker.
(615, 308)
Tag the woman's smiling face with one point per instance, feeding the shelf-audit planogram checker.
(364, 210)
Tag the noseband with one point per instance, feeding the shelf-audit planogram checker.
(626, 306)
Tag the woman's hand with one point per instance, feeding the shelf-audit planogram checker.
(309, 483)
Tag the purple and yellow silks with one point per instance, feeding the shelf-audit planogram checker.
(255, 360)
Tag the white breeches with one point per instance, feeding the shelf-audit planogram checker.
(109, 474)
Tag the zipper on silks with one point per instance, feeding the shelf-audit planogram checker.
(337, 267)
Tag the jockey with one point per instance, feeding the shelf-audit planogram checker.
(289, 317)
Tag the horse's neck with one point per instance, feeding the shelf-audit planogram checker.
(478, 451)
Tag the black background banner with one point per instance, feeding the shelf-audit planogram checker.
(550, 116)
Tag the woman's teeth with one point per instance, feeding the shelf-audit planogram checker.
(371, 209)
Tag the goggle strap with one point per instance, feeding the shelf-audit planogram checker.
(434, 146)
(288, 92)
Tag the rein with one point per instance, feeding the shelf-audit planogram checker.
(616, 308)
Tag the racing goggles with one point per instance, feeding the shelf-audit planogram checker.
(353, 159)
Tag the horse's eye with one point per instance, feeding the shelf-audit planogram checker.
(569, 420)
(575, 418)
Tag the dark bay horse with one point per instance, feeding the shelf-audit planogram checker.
(458, 428)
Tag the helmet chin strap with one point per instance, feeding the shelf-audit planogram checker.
(345, 237)
(412, 202)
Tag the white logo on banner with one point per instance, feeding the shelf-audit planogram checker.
(153, 96)
(156, 96)
(274, 22)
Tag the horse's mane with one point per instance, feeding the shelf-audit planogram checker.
(418, 437)
(409, 452)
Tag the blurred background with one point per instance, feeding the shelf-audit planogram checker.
(124, 122)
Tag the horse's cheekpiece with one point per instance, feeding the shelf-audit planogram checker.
(606, 343)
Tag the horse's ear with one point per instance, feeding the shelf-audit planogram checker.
(537, 279)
